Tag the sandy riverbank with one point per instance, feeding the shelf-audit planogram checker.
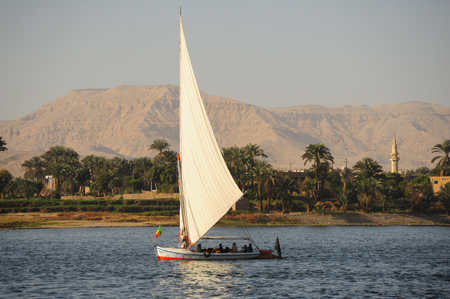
(90, 220)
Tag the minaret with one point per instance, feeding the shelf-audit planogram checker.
(394, 157)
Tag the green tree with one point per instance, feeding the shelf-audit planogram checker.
(368, 168)
(142, 165)
(444, 197)
(34, 168)
(347, 175)
(272, 179)
(159, 145)
(5, 178)
(115, 184)
(102, 183)
(386, 193)
(82, 177)
(317, 152)
(12, 186)
(238, 163)
(422, 171)
(444, 150)
(2, 145)
(260, 176)
(366, 193)
(285, 189)
(344, 196)
(29, 187)
(253, 151)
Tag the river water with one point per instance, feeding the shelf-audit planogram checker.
(319, 262)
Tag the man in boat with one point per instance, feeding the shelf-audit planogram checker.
(199, 248)
(234, 248)
(245, 248)
(220, 248)
(250, 248)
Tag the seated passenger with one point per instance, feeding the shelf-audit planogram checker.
(245, 249)
(227, 249)
(234, 248)
(220, 248)
(199, 248)
(250, 248)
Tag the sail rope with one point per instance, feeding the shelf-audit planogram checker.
(247, 233)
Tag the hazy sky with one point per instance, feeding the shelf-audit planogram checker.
(267, 53)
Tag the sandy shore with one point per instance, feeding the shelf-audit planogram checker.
(91, 220)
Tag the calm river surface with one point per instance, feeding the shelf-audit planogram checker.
(320, 262)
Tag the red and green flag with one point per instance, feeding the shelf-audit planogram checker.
(159, 232)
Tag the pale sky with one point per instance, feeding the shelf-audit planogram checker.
(266, 53)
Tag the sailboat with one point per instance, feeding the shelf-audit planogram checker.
(207, 189)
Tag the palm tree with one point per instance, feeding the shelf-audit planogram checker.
(34, 168)
(239, 164)
(285, 189)
(386, 192)
(89, 163)
(142, 165)
(366, 189)
(253, 151)
(368, 168)
(444, 197)
(260, 176)
(5, 178)
(317, 152)
(272, 179)
(83, 176)
(30, 187)
(60, 153)
(344, 196)
(2, 145)
(422, 171)
(443, 149)
(159, 145)
(347, 176)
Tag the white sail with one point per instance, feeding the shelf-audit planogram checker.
(209, 190)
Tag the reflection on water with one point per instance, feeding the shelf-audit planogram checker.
(331, 262)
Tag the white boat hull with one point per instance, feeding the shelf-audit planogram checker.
(184, 254)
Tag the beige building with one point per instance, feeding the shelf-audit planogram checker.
(439, 181)
(394, 157)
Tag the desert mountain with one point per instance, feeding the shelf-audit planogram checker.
(126, 119)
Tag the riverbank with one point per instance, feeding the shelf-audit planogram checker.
(91, 220)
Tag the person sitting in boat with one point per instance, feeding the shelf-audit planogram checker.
(199, 248)
(245, 249)
(227, 249)
(220, 248)
(250, 248)
(234, 248)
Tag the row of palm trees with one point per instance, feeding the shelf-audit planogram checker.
(103, 175)
(364, 183)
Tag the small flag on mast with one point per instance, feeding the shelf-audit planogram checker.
(159, 232)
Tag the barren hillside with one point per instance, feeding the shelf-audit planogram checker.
(124, 120)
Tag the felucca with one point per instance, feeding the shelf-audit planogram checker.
(207, 189)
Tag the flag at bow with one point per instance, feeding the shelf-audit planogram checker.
(159, 232)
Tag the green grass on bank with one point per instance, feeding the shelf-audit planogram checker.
(160, 206)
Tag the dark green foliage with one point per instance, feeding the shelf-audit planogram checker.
(421, 180)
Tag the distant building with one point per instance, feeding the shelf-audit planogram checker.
(439, 181)
(242, 204)
(394, 158)
(49, 183)
(298, 176)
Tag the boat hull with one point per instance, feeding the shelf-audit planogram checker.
(183, 254)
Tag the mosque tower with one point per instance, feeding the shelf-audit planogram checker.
(394, 157)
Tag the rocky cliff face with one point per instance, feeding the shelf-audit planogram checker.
(126, 119)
